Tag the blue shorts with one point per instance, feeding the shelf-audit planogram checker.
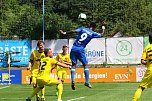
(78, 54)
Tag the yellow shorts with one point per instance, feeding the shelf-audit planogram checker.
(34, 76)
(147, 80)
(62, 74)
(46, 81)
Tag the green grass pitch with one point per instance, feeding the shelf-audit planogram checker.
(99, 92)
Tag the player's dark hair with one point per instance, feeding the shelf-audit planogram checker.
(150, 38)
(93, 25)
(65, 46)
(39, 42)
(46, 50)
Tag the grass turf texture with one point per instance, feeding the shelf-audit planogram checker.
(99, 92)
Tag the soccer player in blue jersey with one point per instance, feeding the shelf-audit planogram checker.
(77, 52)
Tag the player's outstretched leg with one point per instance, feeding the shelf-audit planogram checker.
(72, 77)
(86, 72)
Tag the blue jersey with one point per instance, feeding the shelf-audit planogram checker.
(85, 36)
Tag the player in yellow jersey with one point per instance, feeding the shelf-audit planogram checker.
(34, 63)
(44, 78)
(147, 79)
(63, 57)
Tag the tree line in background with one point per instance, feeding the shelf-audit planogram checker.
(23, 18)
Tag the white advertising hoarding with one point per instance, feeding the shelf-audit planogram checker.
(55, 45)
(124, 50)
(95, 50)
(140, 73)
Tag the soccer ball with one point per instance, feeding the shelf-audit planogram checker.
(82, 16)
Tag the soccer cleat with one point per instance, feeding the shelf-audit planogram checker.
(73, 86)
(28, 99)
(42, 99)
(59, 100)
(38, 99)
(88, 85)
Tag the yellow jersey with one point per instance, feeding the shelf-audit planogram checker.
(45, 67)
(63, 57)
(36, 57)
(147, 56)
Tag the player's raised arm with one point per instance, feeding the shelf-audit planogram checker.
(68, 63)
(29, 65)
(53, 67)
(103, 30)
(67, 32)
(103, 24)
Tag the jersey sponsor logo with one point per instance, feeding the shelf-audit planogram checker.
(42, 56)
(39, 58)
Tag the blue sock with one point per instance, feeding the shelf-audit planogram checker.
(86, 73)
(72, 73)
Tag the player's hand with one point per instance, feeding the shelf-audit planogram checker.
(103, 25)
(103, 28)
(28, 68)
(144, 62)
(60, 60)
(61, 31)
(69, 67)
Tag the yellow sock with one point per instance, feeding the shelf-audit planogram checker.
(60, 90)
(36, 90)
(137, 94)
(42, 93)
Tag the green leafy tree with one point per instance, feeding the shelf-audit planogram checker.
(24, 17)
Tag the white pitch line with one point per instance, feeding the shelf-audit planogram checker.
(4, 87)
(76, 99)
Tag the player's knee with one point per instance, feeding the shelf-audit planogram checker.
(142, 88)
(62, 81)
(86, 68)
(85, 65)
(34, 85)
(59, 80)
